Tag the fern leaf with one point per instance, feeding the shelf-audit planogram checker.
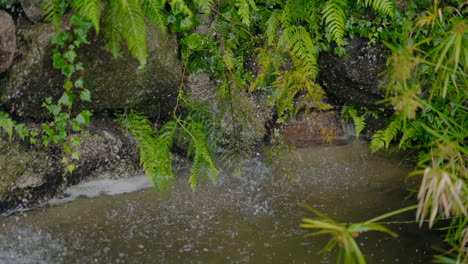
(133, 24)
(204, 5)
(53, 11)
(90, 9)
(272, 27)
(154, 10)
(359, 121)
(298, 42)
(154, 148)
(264, 61)
(113, 28)
(382, 138)
(383, 7)
(244, 10)
(334, 17)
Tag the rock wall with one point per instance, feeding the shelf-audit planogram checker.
(114, 84)
(30, 174)
(355, 78)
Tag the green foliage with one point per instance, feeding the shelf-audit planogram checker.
(8, 3)
(11, 127)
(383, 138)
(384, 7)
(334, 17)
(344, 235)
(64, 57)
(428, 89)
(155, 146)
(359, 121)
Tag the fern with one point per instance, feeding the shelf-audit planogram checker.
(359, 121)
(90, 9)
(382, 138)
(154, 147)
(272, 27)
(113, 29)
(334, 17)
(244, 10)
(154, 10)
(53, 10)
(133, 28)
(384, 7)
(298, 42)
(204, 5)
(288, 85)
(198, 149)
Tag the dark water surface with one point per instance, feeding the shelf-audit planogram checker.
(249, 217)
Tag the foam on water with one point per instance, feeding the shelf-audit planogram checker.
(104, 187)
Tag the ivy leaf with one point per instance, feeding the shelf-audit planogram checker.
(48, 100)
(75, 141)
(7, 124)
(68, 85)
(54, 109)
(70, 55)
(67, 99)
(84, 117)
(75, 155)
(58, 61)
(85, 95)
(79, 66)
(186, 24)
(22, 131)
(79, 83)
(71, 168)
(68, 70)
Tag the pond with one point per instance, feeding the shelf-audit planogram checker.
(250, 216)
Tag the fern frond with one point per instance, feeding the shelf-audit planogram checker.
(154, 148)
(193, 132)
(264, 62)
(359, 121)
(204, 5)
(132, 19)
(53, 11)
(154, 10)
(383, 7)
(288, 85)
(334, 17)
(382, 138)
(298, 42)
(90, 9)
(112, 28)
(244, 10)
(272, 27)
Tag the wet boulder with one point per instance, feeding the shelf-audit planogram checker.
(32, 174)
(7, 41)
(114, 83)
(355, 78)
(32, 9)
(316, 128)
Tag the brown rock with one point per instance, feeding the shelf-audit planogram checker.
(33, 10)
(7, 41)
(314, 129)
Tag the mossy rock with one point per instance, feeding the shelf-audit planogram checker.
(115, 84)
